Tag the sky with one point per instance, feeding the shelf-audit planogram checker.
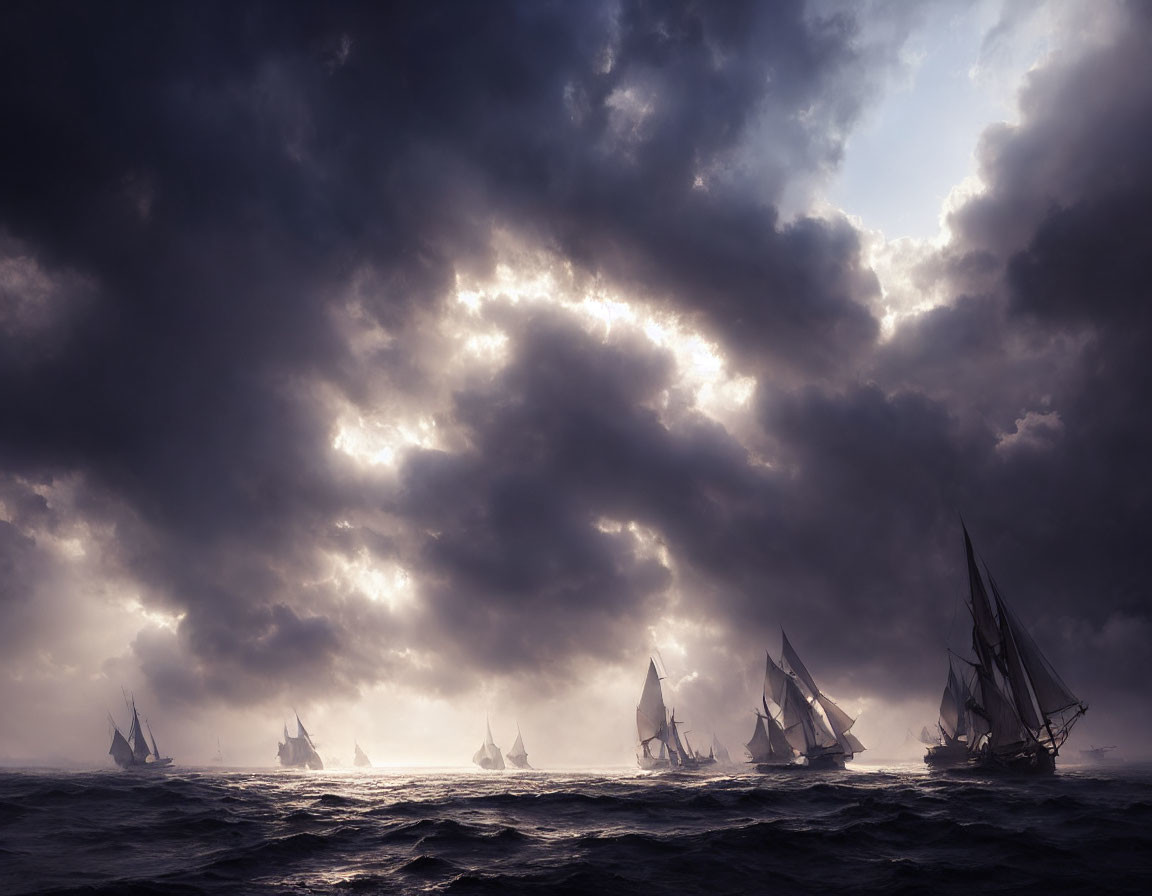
(412, 366)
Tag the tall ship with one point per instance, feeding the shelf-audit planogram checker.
(134, 751)
(360, 759)
(662, 745)
(488, 756)
(299, 751)
(1020, 710)
(817, 729)
(518, 756)
(951, 743)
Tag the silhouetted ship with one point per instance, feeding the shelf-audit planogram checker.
(1097, 754)
(518, 756)
(654, 725)
(814, 726)
(299, 751)
(361, 760)
(720, 752)
(488, 756)
(1019, 710)
(952, 744)
(134, 751)
(218, 757)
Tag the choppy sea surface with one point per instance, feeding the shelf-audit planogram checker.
(895, 829)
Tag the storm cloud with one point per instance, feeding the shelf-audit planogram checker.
(455, 346)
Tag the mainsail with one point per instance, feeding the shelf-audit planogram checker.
(804, 728)
(518, 756)
(720, 751)
(1020, 711)
(488, 756)
(360, 760)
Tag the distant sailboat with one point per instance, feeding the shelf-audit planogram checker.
(518, 756)
(218, 758)
(1021, 711)
(299, 751)
(488, 756)
(1097, 754)
(134, 751)
(361, 759)
(956, 727)
(814, 726)
(720, 752)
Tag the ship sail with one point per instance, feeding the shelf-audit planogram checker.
(720, 752)
(804, 730)
(759, 748)
(518, 756)
(140, 751)
(488, 756)
(120, 751)
(360, 759)
(651, 714)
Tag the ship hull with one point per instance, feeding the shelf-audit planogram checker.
(148, 766)
(943, 755)
(1033, 762)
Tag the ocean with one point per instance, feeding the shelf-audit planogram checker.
(891, 830)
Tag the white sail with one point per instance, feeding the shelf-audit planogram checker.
(720, 752)
(488, 756)
(759, 747)
(518, 756)
(651, 715)
(360, 758)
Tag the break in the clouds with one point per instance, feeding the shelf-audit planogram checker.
(469, 353)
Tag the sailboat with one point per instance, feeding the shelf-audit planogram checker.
(814, 726)
(518, 756)
(1097, 754)
(218, 758)
(719, 751)
(951, 745)
(299, 751)
(657, 729)
(1021, 710)
(134, 751)
(361, 759)
(488, 756)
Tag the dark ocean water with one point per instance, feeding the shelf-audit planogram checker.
(867, 830)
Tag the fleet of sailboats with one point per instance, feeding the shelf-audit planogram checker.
(1006, 709)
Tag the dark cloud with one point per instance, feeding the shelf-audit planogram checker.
(227, 228)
